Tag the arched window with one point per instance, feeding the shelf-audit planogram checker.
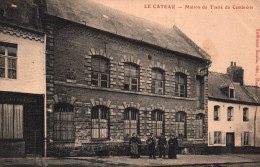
(131, 121)
(131, 81)
(157, 122)
(99, 72)
(99, 119)
(199, 125)
(158, 81)
(180, 85)
(230, 114)
(245, 114)
(216, 113)
(63, 122)
(180, 120)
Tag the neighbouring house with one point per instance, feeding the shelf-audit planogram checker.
(255, 93)
(232, 119)
(22, 80)
(110, 74)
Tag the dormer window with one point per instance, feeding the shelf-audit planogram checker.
(231, 93)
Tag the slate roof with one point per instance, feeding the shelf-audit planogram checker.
(98, 16)
(254, 92)
(218, 81)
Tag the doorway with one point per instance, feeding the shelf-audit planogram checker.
(230, 142)
(34, 130)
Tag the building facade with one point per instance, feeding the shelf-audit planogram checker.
(22, 81)
(110, 74)
(232, 114)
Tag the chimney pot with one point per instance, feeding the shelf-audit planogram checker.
(231, 63)
(235, 63)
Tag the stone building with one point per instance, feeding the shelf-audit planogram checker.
(110, 74)
(233, 119)
(22, 80)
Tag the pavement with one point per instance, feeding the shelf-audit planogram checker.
(182, 160)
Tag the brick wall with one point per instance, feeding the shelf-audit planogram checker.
(69, 50)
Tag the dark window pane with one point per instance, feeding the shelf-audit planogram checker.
(12, 74)
(134, 81)
(126, 86)
(2, 62)
(94, 75)
(104, 77)
(94, 82)
(2, 72)
(134, 87)
(12, 51)
(12, 63)
(2, 50)
(104, 84)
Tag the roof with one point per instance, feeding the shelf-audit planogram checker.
(218, 81)
(254, 92)
(101, 17)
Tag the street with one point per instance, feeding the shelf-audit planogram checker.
(233, 160)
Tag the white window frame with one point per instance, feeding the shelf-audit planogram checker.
(7, 58)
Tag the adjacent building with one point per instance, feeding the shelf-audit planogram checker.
(232, 113)
(22, 80)
(110, 74)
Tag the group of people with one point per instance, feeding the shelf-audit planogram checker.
(135, 146)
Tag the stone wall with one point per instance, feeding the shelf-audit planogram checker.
(69, 50)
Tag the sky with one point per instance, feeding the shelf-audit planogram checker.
(225, 34)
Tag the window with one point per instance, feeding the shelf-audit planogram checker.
(99, 118)
(157, 123)
(217, 137)
(245, 138)
(131, 81)
(11, 121)
(230, 114)
(181, 124)
(216, 113)
(8, 60)
(245, 114)
(63, 122)
(231, 93)
(130, 121)
(180, 85)
(157, 81)
(199, 125)
(100, 72)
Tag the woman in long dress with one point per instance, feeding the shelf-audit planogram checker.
(134, 146)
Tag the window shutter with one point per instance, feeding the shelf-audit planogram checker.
(223, 138)
(211, 138)
(249, 138)
(242, 138)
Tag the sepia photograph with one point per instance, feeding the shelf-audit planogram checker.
(129, 83)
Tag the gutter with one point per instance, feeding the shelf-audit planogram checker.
(45, 97)
(255, 127)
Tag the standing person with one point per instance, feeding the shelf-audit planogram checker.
(162, 145)
(173, 146)
(133, 146)
(151, 141)
(139, 142)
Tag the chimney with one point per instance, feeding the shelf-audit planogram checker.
(236, 73)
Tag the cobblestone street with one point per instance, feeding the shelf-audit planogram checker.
(233, 160)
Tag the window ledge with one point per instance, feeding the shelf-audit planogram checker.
(97, 140)
(120, 90)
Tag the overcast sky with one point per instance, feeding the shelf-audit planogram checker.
(225, 34)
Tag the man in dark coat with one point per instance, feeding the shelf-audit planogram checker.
(173, 146)
(151, 141)
(162, 145)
